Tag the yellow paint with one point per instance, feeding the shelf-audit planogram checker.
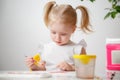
(36, 58)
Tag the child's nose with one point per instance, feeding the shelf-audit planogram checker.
(57, 37)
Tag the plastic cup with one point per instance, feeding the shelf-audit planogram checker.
(85, 66)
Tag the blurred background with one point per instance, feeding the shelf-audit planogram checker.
(22, 30)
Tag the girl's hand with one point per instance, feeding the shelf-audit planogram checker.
(41, 65)
(65, 66)
(30, 63)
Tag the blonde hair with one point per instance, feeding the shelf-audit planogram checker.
(65, 14)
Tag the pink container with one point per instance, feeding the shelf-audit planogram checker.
(113, 54)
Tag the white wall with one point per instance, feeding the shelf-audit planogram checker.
(22, 30)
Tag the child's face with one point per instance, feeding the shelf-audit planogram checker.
(61, 33)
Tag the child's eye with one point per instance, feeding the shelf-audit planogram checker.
(53, 32)
(64, 34)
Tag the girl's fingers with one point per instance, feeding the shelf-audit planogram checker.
(64, 66)
(29, 64)
(29, 61)
(61, 66)
(42, 63)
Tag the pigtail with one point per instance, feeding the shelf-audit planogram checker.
(84, 19)
(47, 10)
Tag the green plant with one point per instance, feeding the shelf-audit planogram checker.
(90, 0)
(114, 10)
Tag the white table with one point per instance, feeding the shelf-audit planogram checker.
(38, 75)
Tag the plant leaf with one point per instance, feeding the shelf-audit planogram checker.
(117, 8)
(107, 15)
(109, 0)
(92, 0)
(113, 14)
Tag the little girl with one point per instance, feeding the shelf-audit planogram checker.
(61, 21)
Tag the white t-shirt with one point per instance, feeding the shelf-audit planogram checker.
(54, 54)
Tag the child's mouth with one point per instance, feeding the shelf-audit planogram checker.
(59, 43)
